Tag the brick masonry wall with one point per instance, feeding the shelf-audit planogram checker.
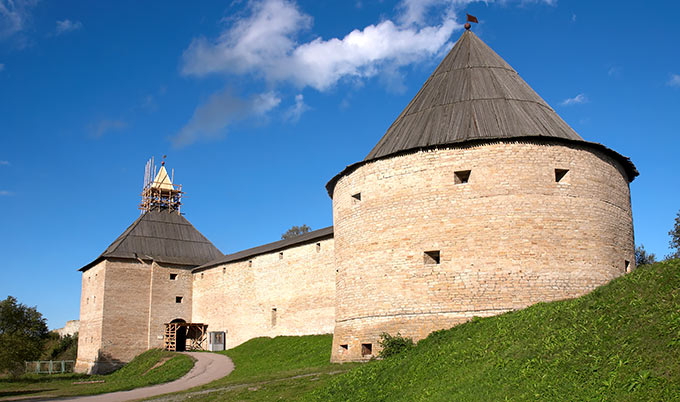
(510, 237)
(91, 317)
(133, 301)
(239, 297)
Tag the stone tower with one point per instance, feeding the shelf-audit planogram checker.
(141, 281)
(478, 200)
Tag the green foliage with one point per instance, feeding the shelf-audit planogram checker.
(22, 333)
(140, 372)
(619, 342)
(675, 238)
(394, 345)
(295, 231)
(60, 348)
(642, 257)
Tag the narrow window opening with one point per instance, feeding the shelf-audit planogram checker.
(201, 275)
(366, 349)
(250, 264)
(281, 255)
(224, 270)
(559, 174)
(627, 266)
(178, 299)
(462, 176)
(318, 247)
(173, 277)
(87, 300)
(344, 348)
(431, 257)
(274, 317)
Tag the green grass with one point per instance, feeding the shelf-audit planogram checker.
(135, 374)
(620, 342)
(268, 369)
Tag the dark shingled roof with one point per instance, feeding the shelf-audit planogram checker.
(271, 247)
(162, 236)
(474, 96)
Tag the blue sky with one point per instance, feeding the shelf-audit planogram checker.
(259, 103)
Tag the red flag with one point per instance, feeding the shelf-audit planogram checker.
(472, 18)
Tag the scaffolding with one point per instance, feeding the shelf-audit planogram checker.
(181, 336)
(158, 192)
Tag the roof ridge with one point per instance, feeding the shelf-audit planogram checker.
(127, 232)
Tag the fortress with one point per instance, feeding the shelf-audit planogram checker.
(478, 200)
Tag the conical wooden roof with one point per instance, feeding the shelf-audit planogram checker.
(473, 94)
(162, 236)
(162, 180)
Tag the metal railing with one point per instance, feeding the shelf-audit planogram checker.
(50, 366)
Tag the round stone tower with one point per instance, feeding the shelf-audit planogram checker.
(478, 200)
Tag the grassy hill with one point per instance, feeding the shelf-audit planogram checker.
(620, 342)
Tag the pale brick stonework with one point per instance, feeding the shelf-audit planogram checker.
(510, 237)
(124, 305)
(239, 297)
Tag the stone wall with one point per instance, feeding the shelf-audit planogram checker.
(91, 317)
(126, 304)
(70, 329)
(272, 294)
(509, 237)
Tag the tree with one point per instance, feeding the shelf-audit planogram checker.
(642, 257)
(675, 238)
(295, 231)
(22, 333)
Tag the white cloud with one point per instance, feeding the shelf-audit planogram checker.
(5, 193)
(68, 26)
(578, 99)
(295, 112)
(674, 81)
(14, 16)
(264, 43)
(4, 163)
(106, 126)
(210, 119)
(614, 71)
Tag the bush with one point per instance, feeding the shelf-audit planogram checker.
(394, 345)
(642, 257)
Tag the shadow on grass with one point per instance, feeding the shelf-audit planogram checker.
(25, 392)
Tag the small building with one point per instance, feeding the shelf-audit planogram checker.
(140, 282)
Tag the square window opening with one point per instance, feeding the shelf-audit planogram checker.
(356, 198)
(626, 265)
(432, 257)
(178, 299)
(173, 277)
(462, 176)
(559, 174)
(366, 349)
(344, 348)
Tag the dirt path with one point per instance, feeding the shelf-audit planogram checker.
(208, 367)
